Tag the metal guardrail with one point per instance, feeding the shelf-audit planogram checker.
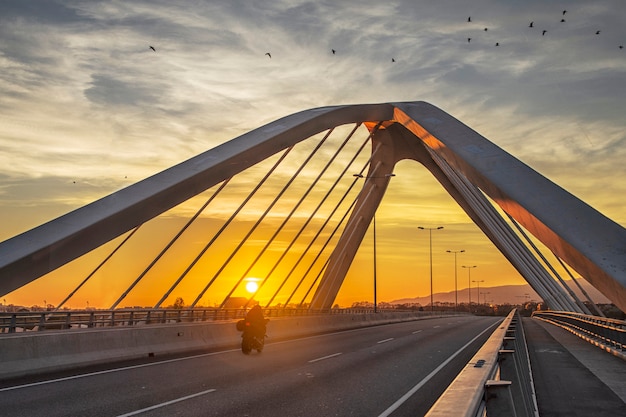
(497, 381)
(609, 334)
(15, 322)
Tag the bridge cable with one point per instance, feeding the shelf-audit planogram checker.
(317, 208)
(495, 222)
(314, 212)
(221, 230)
(257, 223)
(504, 234)
(332, 188)
(330, 237)
(97, 268)
(556, 274)
(241, 243)
(169, 244)
(351, 225)
(580, 287)
(378, 146)
(350, 230)
(288, 217)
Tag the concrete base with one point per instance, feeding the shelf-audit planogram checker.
(35, 353)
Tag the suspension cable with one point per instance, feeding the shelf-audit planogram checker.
(225, 225)
(169, 245)
(328, 218)
(71, 294)
(554, 271)
(314, 212)
(291, 180)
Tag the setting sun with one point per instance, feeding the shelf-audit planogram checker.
(252, 286)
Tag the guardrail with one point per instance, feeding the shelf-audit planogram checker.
(497, 381)
(608, 334)
(85, 319)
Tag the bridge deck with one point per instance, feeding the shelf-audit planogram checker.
(573, 377)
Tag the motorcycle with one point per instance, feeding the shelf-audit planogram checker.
(253, 335)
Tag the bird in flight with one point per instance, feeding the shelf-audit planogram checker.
(469, 40)
(469, 19)
(497, 43)
(268, 54)
(152, 47)
(333, 51)
(597, 32)
(531, 24)
(393, 60)
(562, 20)
(544, 33)
(564, 11)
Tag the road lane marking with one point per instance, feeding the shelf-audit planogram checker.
(112, 370)
(177, 400)
(325, 357)
(417, 331)
(423, 382)
(436, 327)
(384, 341)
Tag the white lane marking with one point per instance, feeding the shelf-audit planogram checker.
(109, 371)
(413, 390)
(154, 407)
(325, 357)
(417, 331)
(436, 327)
(384, 341)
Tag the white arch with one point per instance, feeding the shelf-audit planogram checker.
(588, 241)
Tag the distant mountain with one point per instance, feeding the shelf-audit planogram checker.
(512, 294)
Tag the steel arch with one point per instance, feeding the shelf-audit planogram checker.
(465, 163)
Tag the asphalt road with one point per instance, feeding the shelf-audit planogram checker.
(398, 370)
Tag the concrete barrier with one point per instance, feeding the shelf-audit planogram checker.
(34, 353)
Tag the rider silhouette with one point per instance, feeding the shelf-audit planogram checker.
(257, 321)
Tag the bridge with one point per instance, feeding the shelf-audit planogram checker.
(511, 203)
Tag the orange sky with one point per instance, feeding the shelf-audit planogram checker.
(87, 108)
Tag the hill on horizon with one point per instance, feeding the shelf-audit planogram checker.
(512, 294)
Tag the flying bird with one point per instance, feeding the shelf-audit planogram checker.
(544, 33)
(621, 47)
(469, 40)
(564, 11)
(469, 19)
(562, 20)
(393, 60)
(497, 43)
(486, 29)
(597, 32)
(152, 47)
(333, 51)
(268, 54)
(531, 24)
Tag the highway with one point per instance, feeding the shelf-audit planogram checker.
(398, 369)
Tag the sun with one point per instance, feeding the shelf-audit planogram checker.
(252, 286)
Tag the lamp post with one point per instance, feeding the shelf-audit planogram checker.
(469, 284)
(456, 293)
(430, 238)
(374, 233)
(478, 288)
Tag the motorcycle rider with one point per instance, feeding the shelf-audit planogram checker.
(257, 321)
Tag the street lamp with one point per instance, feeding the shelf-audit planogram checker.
(430, 237)
(374, 230)
(478, 287)
(469, 284)
(456, 294)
